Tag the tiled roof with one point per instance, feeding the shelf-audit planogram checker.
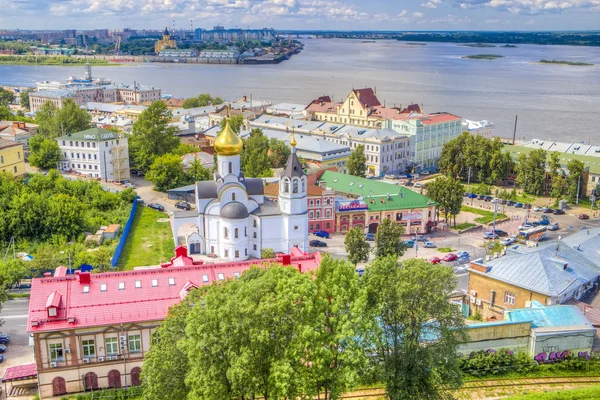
(19, 372)
(147, 294)
(437, 118)
(367, 97)
(5, 144)
(400, 197)
(272, 190)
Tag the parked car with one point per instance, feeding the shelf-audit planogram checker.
(488, 198)
(409, 244)
(501, 233)
(2, 348)
(527, 206)
(553, 226)
(156, 206)
(518, 205)
(424, 172)
(525, 226)
(502, 201)
(1, 358)
(450, 257)
(323, 234)
(508, 241)
(409, 183)
(389, 176)
(419, 185)
(466, 194)
(511, 203)
(370, 237)
(435, 260)
(548, 210)
(317, 243)
(463, 254)
(584, 216)
(538, 208)
(419, 238)
(184, 205)
(472, 196)
(430, 245)
(558, 212)
(480, 197)
(490, 235)
(402, 176)
(4, 338)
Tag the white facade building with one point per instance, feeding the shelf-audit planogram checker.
(483, 128)
(96, 153)
(233, 220)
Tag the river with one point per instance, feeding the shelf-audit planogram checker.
(553, 101)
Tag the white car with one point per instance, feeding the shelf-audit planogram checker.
(390, 176)
(525, 227)
(430, 245)
(538, 208)
(507, 241)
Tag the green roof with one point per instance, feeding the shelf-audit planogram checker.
(400, 197)
(91, 134)
(588, 161)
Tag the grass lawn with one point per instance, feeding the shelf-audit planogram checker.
(150, 242)
(486, 216)
(445, 249)
(464, 225)
(592, 392)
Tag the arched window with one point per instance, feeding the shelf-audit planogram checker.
(254, 223)
(303, 184)
(235, 233)
(286, 186)
(135, 376)
(295, 185)
(233, 196)
(91, 381)
(230, 168)
(245, 231)
(114, 379)
(225, 233)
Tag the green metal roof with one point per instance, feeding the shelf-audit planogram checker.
(97, 134)
(400, 197)
(588, 161)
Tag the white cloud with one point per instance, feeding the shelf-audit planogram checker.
(530, 6)
(429, 4)
(417, 14)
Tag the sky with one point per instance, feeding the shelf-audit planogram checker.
(304, 14)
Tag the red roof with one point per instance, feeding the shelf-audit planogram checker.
(367, 97)
(53, 299)
(437, 118)
(18, 372)
(322, 106)
(132, 296)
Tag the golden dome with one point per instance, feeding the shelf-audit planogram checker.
(293, 140)
(228, 143)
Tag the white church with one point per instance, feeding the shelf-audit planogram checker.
(233, 220)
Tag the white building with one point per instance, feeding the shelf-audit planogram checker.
(483, 127)
(219, 54)
(97, 153)
(233, 220)
(429, 133)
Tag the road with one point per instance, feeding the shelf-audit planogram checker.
(14, 317)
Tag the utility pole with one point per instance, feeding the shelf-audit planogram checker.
(495, 213)
(469, 181)
(578, 183)
(515, 131)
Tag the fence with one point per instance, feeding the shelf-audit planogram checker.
(115, 258)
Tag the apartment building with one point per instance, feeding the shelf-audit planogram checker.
(12, 158)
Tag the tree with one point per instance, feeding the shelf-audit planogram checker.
(357, 163)
(5, 114)
(152, 136)
(531, 171)
(554, 166)
(6, 97)
(196, 172)
(356, 246)
(24, 97)
(342, 325)
(389, 239)
(418, 329)
(192, 102)
(255, 156)
(267, 253)
(45, 152)
(166, 172)
(54, 122)
(560, 187)
(166, 364)
(448, 192)
(576, 180)
(65, 215)
(279, 153)
(235, 123)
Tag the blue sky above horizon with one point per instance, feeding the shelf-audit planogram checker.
(304, 14)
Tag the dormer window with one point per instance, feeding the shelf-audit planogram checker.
(52, 303)
(52, 311)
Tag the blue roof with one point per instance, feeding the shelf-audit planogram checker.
(551, 316)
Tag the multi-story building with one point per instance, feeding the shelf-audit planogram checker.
(19, 132)
(57, 97)
(551, 274)
(92, 331)
(172, 53)
(483, 128)
(96, 153)
(428, 134)
(361, 108)
(220, 34)
(12, 157)
(219, 54)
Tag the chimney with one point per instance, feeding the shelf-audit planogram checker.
(286, 259)
(244, 98)
(47, 274)
(85, 278)
(323, 185)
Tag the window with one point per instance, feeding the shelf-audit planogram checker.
(225, 233)
(235, 233)
(509, 298)
(86, 289)
(255, 247)
(111, 345)
(236, 275)
(245, 231)
(204, 278)
(52, 311)
(230, 168)
(89, 349)
(328, 213)
(318, 202)
(56, 352)
(171, 281)
(318, 214)
(328, 225)
(121, 285)
(233, 196)
(295, 187)
(254, 235)
(246, 251)
(296, 227)
(135, 343)
(138, 284)
(221, 276)
(310, 215)
(19, 154)
(310, 227)
(237, 253)
(226, 253)
(103, 287)
(254, 224)
(311, 202)
(154, 282)
(15, 169)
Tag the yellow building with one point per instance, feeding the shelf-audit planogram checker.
(165, 43)
(12, 159)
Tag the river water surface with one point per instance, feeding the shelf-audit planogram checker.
(553, 101)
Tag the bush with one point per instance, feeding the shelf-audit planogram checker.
(267, 253)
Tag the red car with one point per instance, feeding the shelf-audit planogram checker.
(584, 216)
(435, 260)
(450, 257)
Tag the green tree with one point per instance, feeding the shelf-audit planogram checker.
(448, 192)
(560, 187)
(166, 172)
(279, 153)
(342, 325)
(356, 246)
(255, 156)
(6, 97)
(54, 122)
(357, 163)
(235, 123)
(192, 102)
(152, 136)
(65, 215)
(267, 253)
(196, 172)
(24, 97)
(576, 180)
(5, 114)
(554, 167)
(388, 239)
(45, 153)
(418, 329)
(531, 171)
(166, 364)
